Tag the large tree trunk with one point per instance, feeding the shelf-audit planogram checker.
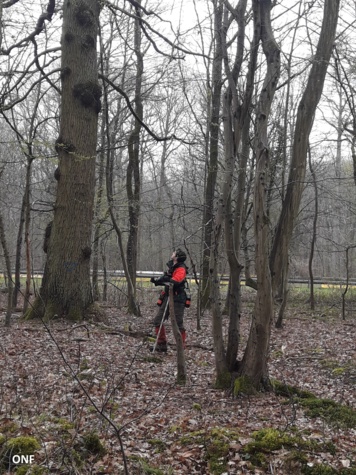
(304, 123)
(239, 130)
(234, 115)
(231, 251)
(254, 364)
(66, 289)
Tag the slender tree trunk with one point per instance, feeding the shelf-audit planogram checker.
(212, 165)
(1, 2)
(110, 194)
(249, 281)
(287, 104)
(19, 239)
(8, 272)
(303, 126)
(314, 232)
(105, 277)
(254, 364)
(66, 287)
(27, 233)
(181, 367)
(133, 184)
(280, 299)
(234, 221)
(98, 217)
(223, 377)
(162, 189)
(235, 267)
(343, 310)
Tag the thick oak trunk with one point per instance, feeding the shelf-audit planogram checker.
(66, 288)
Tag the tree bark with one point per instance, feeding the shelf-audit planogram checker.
(254, 363)
(133, 180)
(27, 197)
(314, 231)
(234, 117)
(181, 368)
(19, 239)
(304, 123)
(66, 288)
(212, 165)
(8, 273)
(98, 223)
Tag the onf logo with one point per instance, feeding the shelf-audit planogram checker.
(19, 459)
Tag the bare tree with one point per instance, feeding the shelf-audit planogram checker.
(304, 123)
(212, 161)
(133, 179)
(254, 363)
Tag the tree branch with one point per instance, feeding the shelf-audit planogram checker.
(39, 27)
(152, 134)
(144, 22)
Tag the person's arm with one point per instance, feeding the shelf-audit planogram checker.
(163, 280)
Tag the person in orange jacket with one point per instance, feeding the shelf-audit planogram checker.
(176, 275)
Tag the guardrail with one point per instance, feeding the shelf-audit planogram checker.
(148, 274)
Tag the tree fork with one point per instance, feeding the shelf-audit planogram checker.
(254, 363)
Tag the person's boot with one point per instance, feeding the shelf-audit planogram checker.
(184, 337)
(161, 346)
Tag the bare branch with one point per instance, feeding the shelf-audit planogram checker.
(152, 134)
(144, 22)
(10, 3)
(39, 27)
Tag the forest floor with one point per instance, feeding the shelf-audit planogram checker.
(56, 384)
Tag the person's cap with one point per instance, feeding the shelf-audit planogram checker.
(181, 255)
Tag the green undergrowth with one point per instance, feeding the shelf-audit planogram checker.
(30, 470)
(22, 445)
(157, 445)
(268, 441)
(78, 449)
(347, 369)
(216, 445)
(333, 413)
(322, 469)
(328, 301)
(293, 451)
(147, 469)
